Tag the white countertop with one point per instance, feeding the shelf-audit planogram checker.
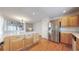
(76, 35)
(16, 34)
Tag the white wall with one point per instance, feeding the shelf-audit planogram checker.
(45, 28)
(42, 27)
(38, 27)
(1, 28)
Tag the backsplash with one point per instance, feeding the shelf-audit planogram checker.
(69, 29)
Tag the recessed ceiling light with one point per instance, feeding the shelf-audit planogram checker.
(64, 11)
(33, 13)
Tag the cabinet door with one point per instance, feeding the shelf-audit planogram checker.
(73, 21)
(77, 44)
(28, 41)
(16, 44)
(64, 21)
(66, 38)
(6, 46)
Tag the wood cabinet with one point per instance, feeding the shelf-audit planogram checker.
(28, 41)
(66, 38)
(6, 46)
(73, 21)
(17, 43)
(70, 21)
(77, 44)
(64, 21)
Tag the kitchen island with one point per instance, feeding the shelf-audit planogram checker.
(20, 42)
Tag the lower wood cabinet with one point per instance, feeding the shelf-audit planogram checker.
(77, 44)
(16, 43)
(28, 41)
(66, 38)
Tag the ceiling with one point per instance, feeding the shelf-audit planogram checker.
(34, 14)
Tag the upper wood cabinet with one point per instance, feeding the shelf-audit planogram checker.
(73, 21)
(70, 21)
(64, 21)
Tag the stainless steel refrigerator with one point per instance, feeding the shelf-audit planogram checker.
(54, 31)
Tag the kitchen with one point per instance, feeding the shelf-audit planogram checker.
(56, 28)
